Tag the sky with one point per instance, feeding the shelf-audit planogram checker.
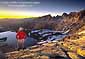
(36, 8)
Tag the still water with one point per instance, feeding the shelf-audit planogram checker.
(12, 41)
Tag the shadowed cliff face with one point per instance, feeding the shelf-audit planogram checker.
(67, 21)
(64, 22)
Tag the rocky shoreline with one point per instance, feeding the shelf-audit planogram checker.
(67, 49)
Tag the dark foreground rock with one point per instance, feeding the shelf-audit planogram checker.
(2, 55)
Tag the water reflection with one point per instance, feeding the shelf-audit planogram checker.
(12, 41)
(31, 40)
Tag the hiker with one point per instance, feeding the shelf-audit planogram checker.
(21, 36)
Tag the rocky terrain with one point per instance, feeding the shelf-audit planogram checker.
(70, 47)
(72, 21)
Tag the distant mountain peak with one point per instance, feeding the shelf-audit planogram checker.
(65, 14)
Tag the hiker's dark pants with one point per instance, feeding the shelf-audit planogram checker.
(20, 43)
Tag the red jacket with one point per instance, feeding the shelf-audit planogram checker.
(21, 35)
